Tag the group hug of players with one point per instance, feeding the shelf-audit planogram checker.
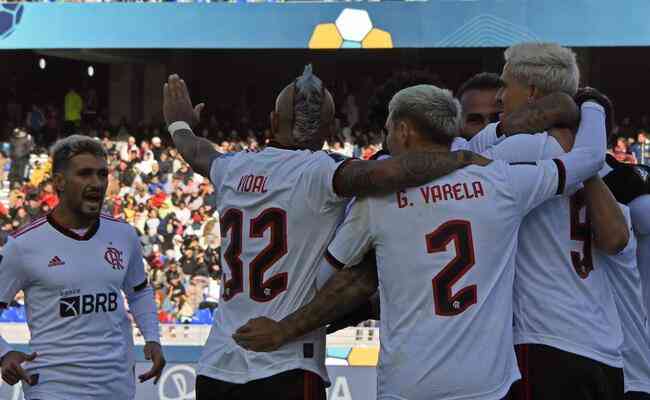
(508, 265)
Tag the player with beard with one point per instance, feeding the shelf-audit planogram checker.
(73, 266)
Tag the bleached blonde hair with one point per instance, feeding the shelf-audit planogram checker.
(435, 111)
(547, 66)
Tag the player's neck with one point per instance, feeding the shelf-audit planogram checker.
(429, 146)
(71, 220)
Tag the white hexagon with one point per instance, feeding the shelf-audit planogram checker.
(353, 24)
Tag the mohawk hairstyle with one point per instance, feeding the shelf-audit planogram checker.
(307, 104)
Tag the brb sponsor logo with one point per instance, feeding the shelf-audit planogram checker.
(74, 306)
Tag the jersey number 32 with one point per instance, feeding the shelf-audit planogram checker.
(261, 290)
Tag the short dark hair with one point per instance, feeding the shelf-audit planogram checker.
(480, 81)
(378, 103)
(63, 150)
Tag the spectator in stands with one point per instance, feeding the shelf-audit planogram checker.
(21, 147)
(73, 106)
(641, 148)
(35, 122)
(478, 101)
(621, 153)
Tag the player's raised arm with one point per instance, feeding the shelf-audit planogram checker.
(180, 115)
(365, 178)
(534, 184)
(555, 109)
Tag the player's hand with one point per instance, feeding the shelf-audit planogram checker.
(590, 94)
(153, 352)
(12, 372)
(177, 105)
(260, 334)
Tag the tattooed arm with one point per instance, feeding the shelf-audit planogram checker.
(344, 292)
(555, 109)
(366, 178)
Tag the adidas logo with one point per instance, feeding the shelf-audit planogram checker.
(55, 262)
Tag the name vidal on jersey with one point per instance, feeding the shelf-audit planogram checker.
(446, 192)
(252, 184)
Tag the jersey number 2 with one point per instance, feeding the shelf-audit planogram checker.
(445, 302)
(274, 219)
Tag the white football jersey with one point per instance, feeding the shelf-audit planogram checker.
(560, 300)
(446, 264)
(625, 281)
(278, 211)
(75, 307)
(640, 214)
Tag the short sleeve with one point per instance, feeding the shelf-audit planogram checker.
(640, 214)
(353, 239)
(12, 273)
(319, 179)
(535, 182)
(219, 168)
(135, 279)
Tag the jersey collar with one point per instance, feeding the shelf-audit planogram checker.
(71, 234)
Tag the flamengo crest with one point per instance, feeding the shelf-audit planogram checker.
(114, 257)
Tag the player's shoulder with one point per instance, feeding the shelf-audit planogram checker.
(115, 223)
(26, 232)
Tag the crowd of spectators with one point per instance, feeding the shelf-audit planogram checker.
(152, 188)
(173, 209)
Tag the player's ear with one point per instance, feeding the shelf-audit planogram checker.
(58, 180)
(404, 131)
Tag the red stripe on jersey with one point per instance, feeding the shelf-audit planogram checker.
(19, 231)
(306, 384)
(561, 174)
(108, 217)
(333, 261)
(31, 228)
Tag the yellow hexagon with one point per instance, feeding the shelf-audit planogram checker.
(325, 36)
(377, 39)
(364, 356)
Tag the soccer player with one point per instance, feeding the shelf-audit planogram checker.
(554, 109)
(278, 211)
(628, 271)
(478, 99)
(73, 266)
(446, 257)
(566, 324)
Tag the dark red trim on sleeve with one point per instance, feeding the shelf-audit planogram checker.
(333, 261)
(141, 286)
(3, 306)
(561, 175)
